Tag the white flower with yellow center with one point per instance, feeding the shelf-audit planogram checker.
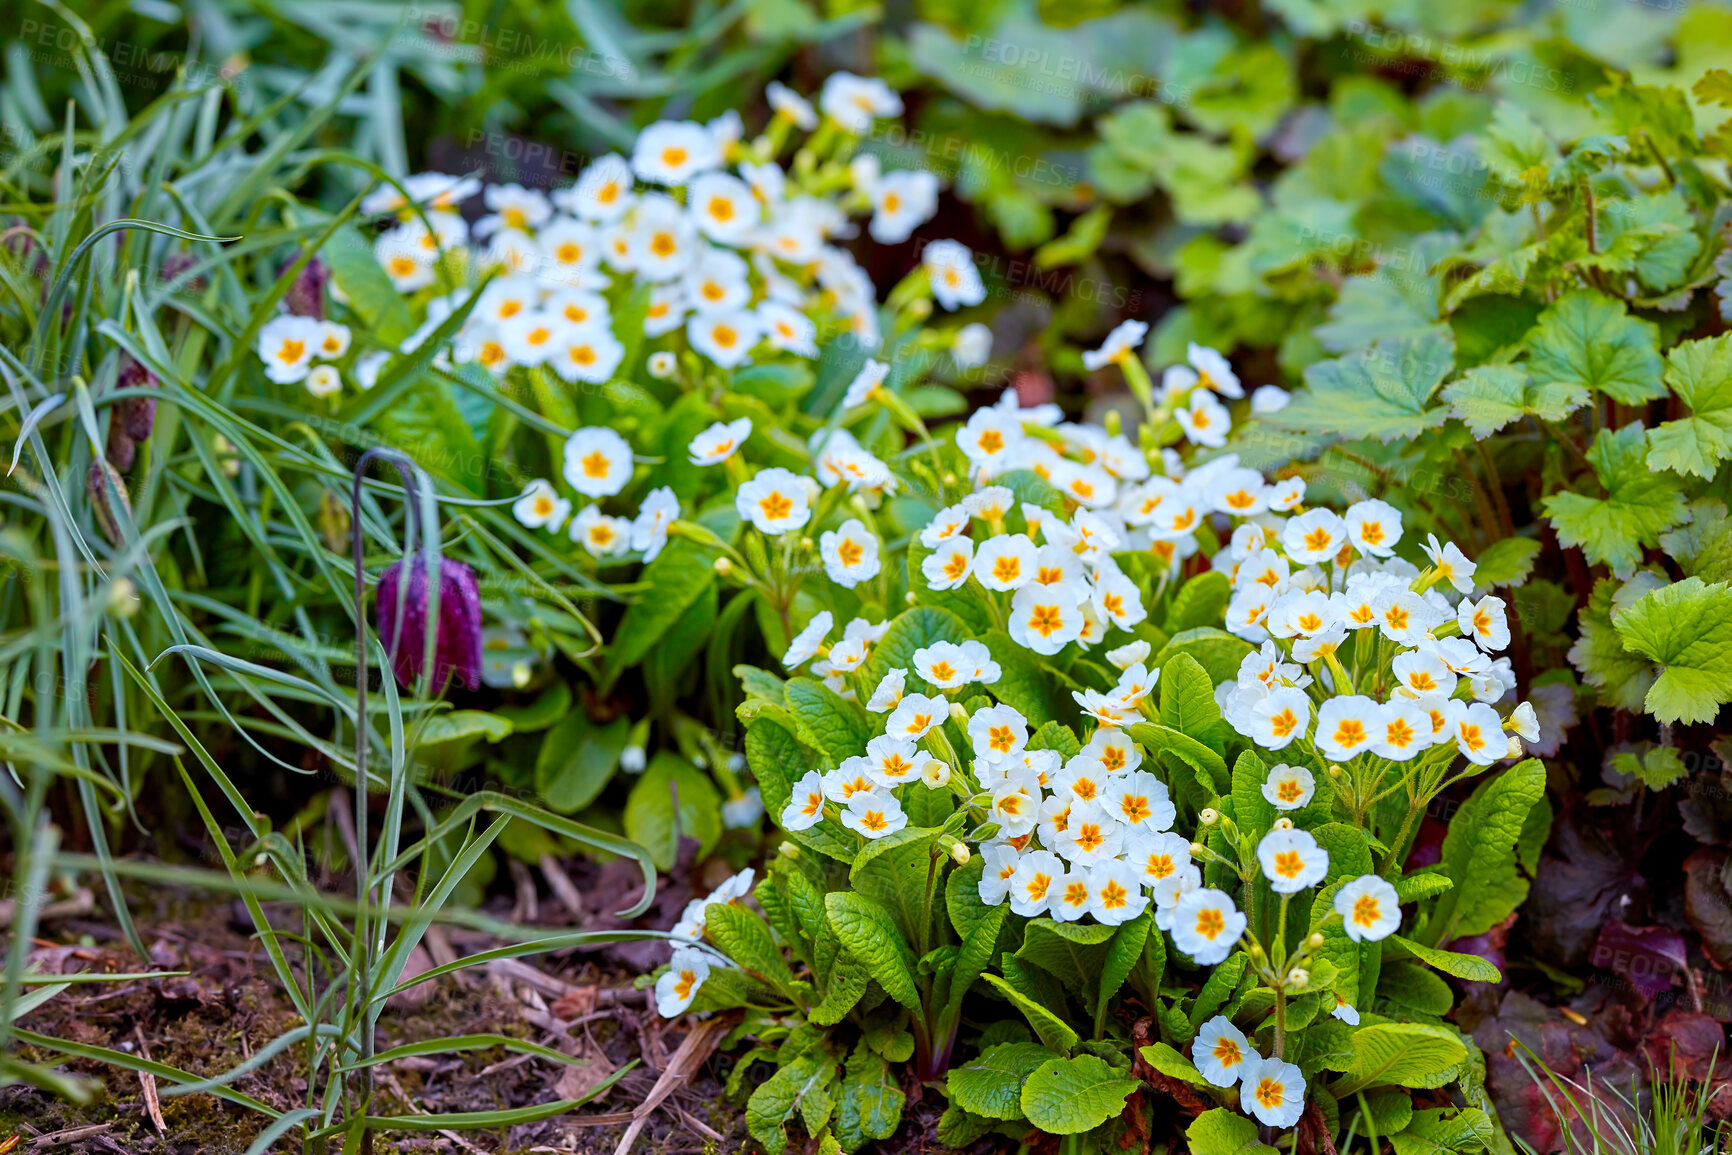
(1139, 800)
(874, 814)
(597, 461)
(1221, 1051)
(805, 808)
(1119, 346)
(1031, 885)
(579, 308)
(997, 733)
(894, 761)
(1280, 717)
(1117, 598)
(1116, 893)
(540, 507)
(1156, 855)
(324, 381)
(601, 535)
(955, 281)
(514, 207)
(854, 102)
(1070, 895)
(505, 299)
(809, 640)
(1092, 835)
(1113, 749)
(532, 338)
(1205, 421)
(1287, 493)
(1485, 622)
(791, 106)
(717, 282)
(914, 715)
(571, 253)
(1291, 860)
(1045, 618)
(1316, 535)
(1238, 493)
(663, 241)
(945, 664)
(724, 338)
(603, 191)
(948, 566)
(1205, 924)
(1403, 730)
(649, 531)
(849, 553)
(788, 329)
(849, 779)
(406, 263)
(672, 152)
(1344, 1010)
(512, 251)
(1347, 726)
(888, 693)
(1289, 787)
(1370, 909)
(901, 202)
(1450, 564)
(1005, 562)
(724, 207)
(675, 989)
(719, 442)
(1478, 732)
(775, 501)
(589, 354)
(990, 437)
(287, 346)
(666, 311)
(1423, 672)
(1373, 527)
(333, 340)
(1273, 1092)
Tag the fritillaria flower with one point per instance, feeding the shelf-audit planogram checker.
(457, 638)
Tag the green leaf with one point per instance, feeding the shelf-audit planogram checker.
(681, 572)
(1687, 628)
(972, 958)
(1211, 768)
(827, 722)
(1700, 373)
(913, 629)
(748, 941)
(1463, 966)
(990, 1085)
(577, 760)
(1639, 505)
(1173, 1064)
(650, 818)
(1656, 767)
(1129, 942)
(778, 762)
(1053, 1031)
(1022, 684)
(1479, 854)
(1508, 562)
(1217, 651)
(1414, 990)
(460, 724)
(1065, 1096)
(370, 292)
(1489, 397)
(1384, 392)
(1445, 1131)
(870, 935)
(1589, 341)
(1199, 602)
(779, 1096)
(1414, 887)
(1219, 1131)
(553, 705)
(870, 1101)
(1222, 982)
(1188, 701)
(1056, 736)
(1622, 678)
(1403, 1054)
(1253, 813)
(1072, 951)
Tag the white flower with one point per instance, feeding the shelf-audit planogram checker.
(1206, 925)
(1374, 527)
(1280, 717)
(1031, 886)
(1015, 807)
(1316, 535)
(1069, 897)
(1205, 422)
(587, 354)
(1485, 622)
(1524, 721)
(874, 814)
(849, 779)
(405, 261)
(603, 190)
(1221, 1051)
(437, 191)
(514, 207)
(1287, 493)
(531, 337)
(601, 535)
(1344, 1011)
(287, 345)
(671, 152)
(893, 761)
(1289, 787)
(649, 532)
(774, 501)
(1092, 835)
(1117, 597)
(889, 691)
(368, 367)
(1005, 562)
(724, 207)
(662, 365)
(901, 201)
(914, 715)
(805, 807)
(854, 102)
(788, 329)
(1369, 908)
(1213, 371)
(1408, 618)
(955, 281)
(998, 869)
(945, 524)
(1269, 399)
(807, 641)
(579, 307)
(718, 282)
(785, 102)
(324, 380)
(1239, 492)
(1139, 800)
(719, 442)
(540, 507)
(333, 340)
(1346, 726)
(1045, 618)
(597, 461)
(1273, 1091)
(1450, 564)
(1129, 654)
(1116, 893)
(725, 338)
(997, 732)
(1113, 750)
(1291, 860)
(971, 347)
(1478, 732)
(687, 972)
(849, 553)
(1156, 856)
(743, 812)
(1423, 672)
(1118, 346)
(662, 240)
(1403, 730)
(571, 252)
(667, 312)
(948, 566)
(990, 436)
(866, 384)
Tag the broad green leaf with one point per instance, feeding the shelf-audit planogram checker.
(972, 958)
(1210, 766)
(1622, 678)
(1056, 736)
(869, 1102)
(1217, 651)
(990, 1085)
(1656, 767)
(577, 760)
(1072, 951)
(552, 706)
(1700, 373)
(674, 579)
(778, 762)
(1463, 966)
(747, 940)
(827, 722)
(1686, 627)
(1639, 504)
(1414, 887)
(1489, 397)
(651, 820)
(1222, 981)
(912, 629)
(1385, 392)
(871, 936)
(779, 1096)
(1445, 1131)
(1199, 602)
(1508, 562)
(1065, 1096)
(1129, 942)
(1401, 1054)
(1022, 684)
(1219, 1131)
(1413, 989)
(1479, 854)
(1188, 701)
(1173, 1064)
(460, 724)
(1253, 813)
(1590, 342)
(1052, 1030)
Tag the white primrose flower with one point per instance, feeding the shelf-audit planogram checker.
(1316, 535)
(724, 206)
(901, 202)
(725, 338)
(1287, 493)
(1450, 563)
(287, 346)
(324, 380)
(1403, 730)
(1113, 750)
(1289, 787)
(1116, 893)
(955, 281)
(867, 384)
(540, 507)
(1291, 860)
(744, 811)
(1238, 493)
(717, 282)
(1280, 717)
(1032, 883)
(1118, 346)
(1525, 722)
(1344, 1011)
(1346, 726)
(589, 353)
(874, 814)
(787, 103)
(1273, 1092)
(675, 989)
(601, 535)
(1485, 622)
(948, 566)
(405, 261)
(808, 641)
(514, 207)
(1212, 371)
(999, 862)
(598, 461)
(805, 807)
(849, 779)
(1005, 562)
(1093, 835)
(1130, 654)
(854, 102)
(1423, 672)
(1408, 618)
(672, 152)
(916, 714)
(1205, 422)
(971, 347)
(849, 553)
(1045, 618)
(1070, 896)
(1369, 908)
(1269, 399)
(1221, 1051)
(774, 501)
(1373, 527)
(1016, 808)
(649, 530)
(888, 693)
(1140, 801)
(1206, 925)
(997, 732)
(1156, 856)
(719, 442)
(894, 761)
(788, 329)
(1478, 732)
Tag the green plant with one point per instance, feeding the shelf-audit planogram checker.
(1671, 1119)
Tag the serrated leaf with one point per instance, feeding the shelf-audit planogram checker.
(1687, 628)
(827, 722)
(1445, 1131)
(1700, 373)
(1129, 942)
(1471, 967)
(1639, 504)
(1384, 392)
(1489, 397)
(778, 762)
(1591, 342)
(1173, 1064)
(990, 1085)
(871, 936)
(1065, 1096)
(1479, 854)
(1508, 562)
(746, 939)
(1052, 1030)
(911, 630)
(1402, 1054)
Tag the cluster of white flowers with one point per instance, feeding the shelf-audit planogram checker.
(305, 349)
(692, 963)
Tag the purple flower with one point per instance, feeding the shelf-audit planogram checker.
(306, 297)
(133, 417)
(457, 645)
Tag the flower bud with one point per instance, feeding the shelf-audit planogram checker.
(724, 566)
(122, 598)
(456, 635)
(1256, 950)
(306, 297)
(909, 597)
(1314, 941)
(1283, 824)
(936, 773)
(1298, 979)
(662, 365)
(1209, 816)
(920, 309)
(1334, 771)
(957, 849)
(1198, 850)
(788, 850)
(958, 714)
